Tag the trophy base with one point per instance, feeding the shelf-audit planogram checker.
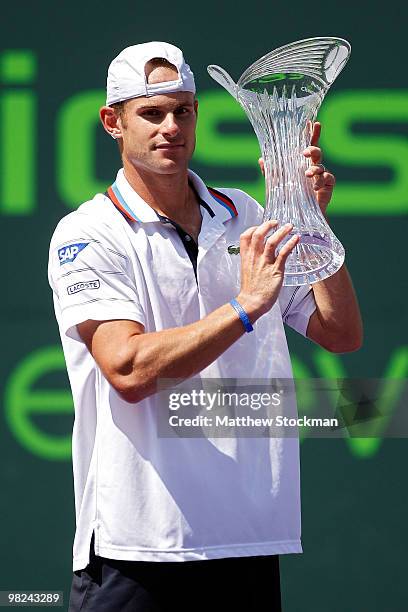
(316, 257)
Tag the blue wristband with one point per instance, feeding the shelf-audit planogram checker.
(242, 315)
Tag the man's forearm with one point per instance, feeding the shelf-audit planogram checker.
(176, 353)
(337, 324)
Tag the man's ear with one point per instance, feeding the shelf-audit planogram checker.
(196, 107)
(111, 122)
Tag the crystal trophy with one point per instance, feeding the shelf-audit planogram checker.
(281, 94)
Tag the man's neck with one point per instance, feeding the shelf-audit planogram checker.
(168, 194)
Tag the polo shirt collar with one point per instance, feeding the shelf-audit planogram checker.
(129, 201)
(135, 208)
(222, 206)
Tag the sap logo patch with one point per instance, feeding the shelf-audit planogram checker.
(93, 284)
(68, 253)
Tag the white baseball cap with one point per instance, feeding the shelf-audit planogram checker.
(127, 78)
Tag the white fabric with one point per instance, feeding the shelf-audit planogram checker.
(127, 78)
(162, 499)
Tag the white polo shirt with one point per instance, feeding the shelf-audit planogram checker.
(149, 498)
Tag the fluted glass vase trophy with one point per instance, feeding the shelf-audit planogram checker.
(281, 94)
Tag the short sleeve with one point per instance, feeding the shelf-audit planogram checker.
(91, 276)
(297, 304)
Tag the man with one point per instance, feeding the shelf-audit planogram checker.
(144, 289)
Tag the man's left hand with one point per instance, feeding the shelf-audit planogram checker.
(323, 181)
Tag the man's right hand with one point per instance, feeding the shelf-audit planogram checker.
(262, 271)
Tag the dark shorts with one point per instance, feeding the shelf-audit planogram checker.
(219, 585)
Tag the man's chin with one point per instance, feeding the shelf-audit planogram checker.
(164, 166)
(170, 166)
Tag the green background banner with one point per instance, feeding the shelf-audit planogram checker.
(54, 155)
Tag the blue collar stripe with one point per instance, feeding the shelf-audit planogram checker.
(117, 193)
(222, 199)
